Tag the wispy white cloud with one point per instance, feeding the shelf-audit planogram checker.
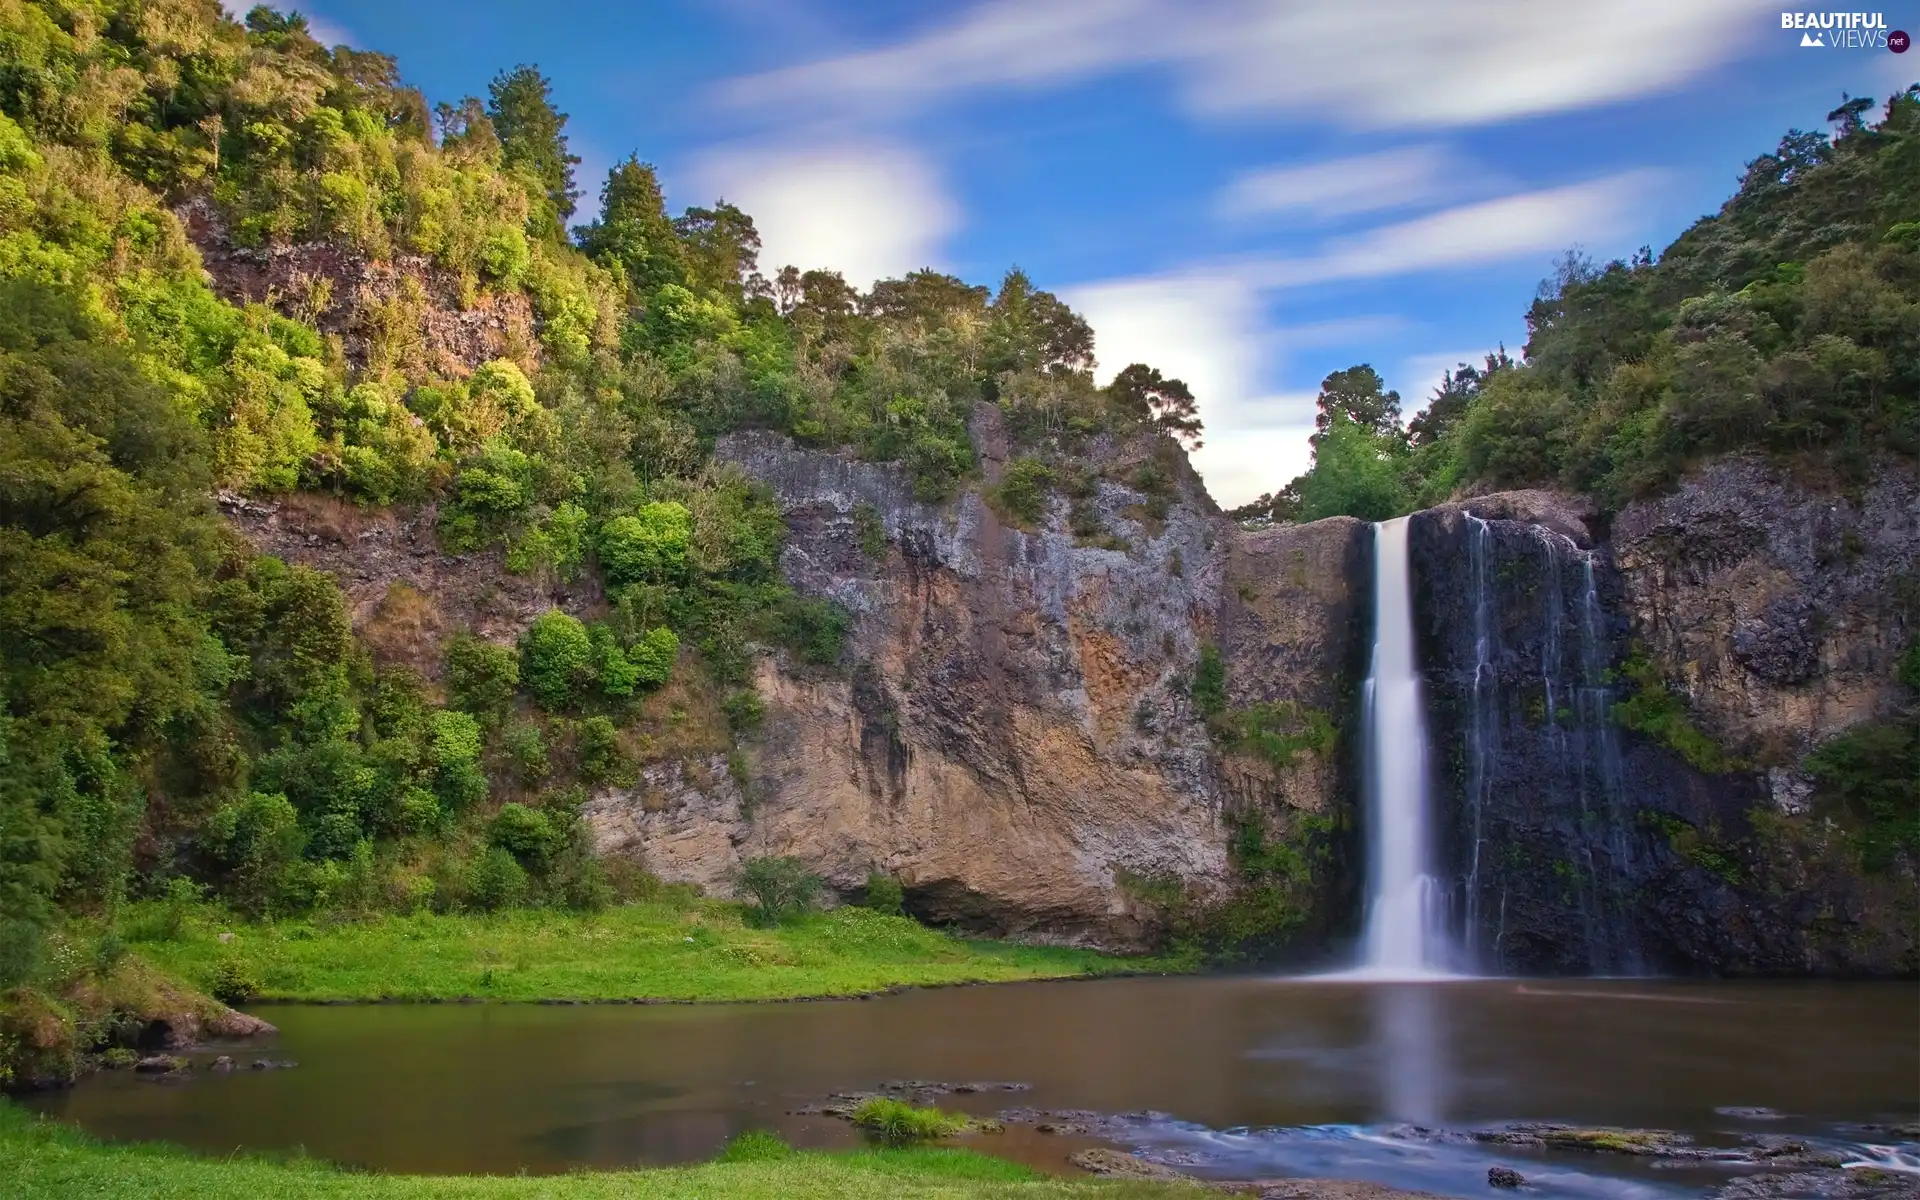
(1341, 331)
(1528, 223)
(1364, 183)
(1382, 63)
(1207, 324)
(1208, 330)
(869, 210)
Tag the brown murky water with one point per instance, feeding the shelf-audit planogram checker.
(459, 1088)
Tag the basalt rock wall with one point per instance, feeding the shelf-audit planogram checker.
(1761, 616)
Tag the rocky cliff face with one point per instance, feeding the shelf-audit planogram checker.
(1756, 618)
(1012, 735)
(411, 313)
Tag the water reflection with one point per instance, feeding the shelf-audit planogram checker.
(1409, 1052)
(1283, 1070)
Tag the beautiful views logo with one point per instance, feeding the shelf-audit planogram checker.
(1845, 31)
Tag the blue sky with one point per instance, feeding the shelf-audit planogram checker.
(1246, 193)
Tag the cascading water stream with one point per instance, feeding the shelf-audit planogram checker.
(1405, 928)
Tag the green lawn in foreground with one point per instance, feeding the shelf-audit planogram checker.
(44, 1160)
(661, 950)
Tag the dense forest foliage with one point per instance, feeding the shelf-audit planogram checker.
(1787, 323)
(181, 715)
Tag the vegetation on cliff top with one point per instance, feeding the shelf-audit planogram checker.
(174, 707)
(1782, 324)
(48, 1160)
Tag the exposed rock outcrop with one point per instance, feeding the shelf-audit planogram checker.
(1013, 737)
(404, 594)
(1766, 612)
(423, 316)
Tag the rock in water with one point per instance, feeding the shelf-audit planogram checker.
(1505, 1177)
(160, 1064)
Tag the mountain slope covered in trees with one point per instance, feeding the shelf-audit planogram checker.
(180, 714)
(1787, 323)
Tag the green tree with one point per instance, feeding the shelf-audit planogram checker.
(721, 250)
(557, 659)
(779, 888)
(481, 677)
(634, 232)
(649, 546)
(532, 137)
(1140, 393)
(1359, 395)
(1355, 473)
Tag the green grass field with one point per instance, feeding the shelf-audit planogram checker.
(44, 1160)
(686, 950)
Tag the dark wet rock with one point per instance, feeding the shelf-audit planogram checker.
(1640, 1143)
(1571, 844)
(1750, 1114)
(1118, 1164)
(222, 1064)
(1862, 1183)
(1776, 1150)
(160, 1064)
(1066, 1127)
(928, 1087)
(1505, 1177)
(272, 1064)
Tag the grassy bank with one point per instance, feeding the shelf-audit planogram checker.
(684, 950)
(45, 1160)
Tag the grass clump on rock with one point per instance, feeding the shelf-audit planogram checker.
(897, 1123)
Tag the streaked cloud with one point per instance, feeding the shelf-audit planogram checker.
(870, 210)
(1527, 223)
(1374, 63)
(1364, 183)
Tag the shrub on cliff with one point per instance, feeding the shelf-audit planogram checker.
(778, 888)
(481, 677)
(885, 894)
(649, 546)
(556, 659)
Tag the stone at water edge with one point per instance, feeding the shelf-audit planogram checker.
(1117, 1164)
(1505, 1177)
(223, 1064)
(160, 1064)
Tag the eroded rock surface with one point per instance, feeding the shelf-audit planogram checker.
(1013, 735)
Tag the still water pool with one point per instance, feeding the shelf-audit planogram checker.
(1242, 1076)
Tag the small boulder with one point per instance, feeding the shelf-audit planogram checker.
(1505, 1177)
(223, 1063)
(232, 1023)
(1118, 1165)
(160, 1064)
(270, 1064)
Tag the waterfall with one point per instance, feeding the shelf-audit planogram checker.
(1480, 731)
(1405, 930)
